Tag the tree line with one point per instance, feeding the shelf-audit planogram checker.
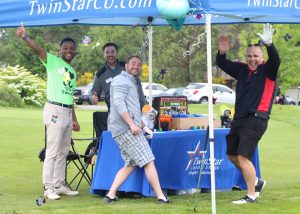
(179, 57)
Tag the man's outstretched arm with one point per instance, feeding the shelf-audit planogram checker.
(21, 32)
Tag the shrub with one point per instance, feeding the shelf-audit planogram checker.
(31, 88)
(85, 79)
(9, 96)
(219, 80)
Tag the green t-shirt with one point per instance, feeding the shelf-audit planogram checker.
(61, 83)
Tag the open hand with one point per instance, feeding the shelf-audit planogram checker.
(267, 35)
(223, 44)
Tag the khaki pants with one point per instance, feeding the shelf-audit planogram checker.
(58, 121)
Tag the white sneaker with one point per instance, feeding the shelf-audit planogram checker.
(64, 190)
(51, 194)
(245, 200)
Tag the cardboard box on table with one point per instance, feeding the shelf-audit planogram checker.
(167, 106)
(189, 122)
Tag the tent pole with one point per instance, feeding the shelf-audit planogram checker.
(210, 113)
(150, 59)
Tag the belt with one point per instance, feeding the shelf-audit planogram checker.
(260, 114)
(60, 104)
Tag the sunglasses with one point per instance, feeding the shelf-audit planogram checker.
(260, 43)
(255, 45)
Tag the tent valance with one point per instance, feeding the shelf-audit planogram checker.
(135, 12)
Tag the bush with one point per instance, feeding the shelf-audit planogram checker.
(9, 96)
(31, 88)
(85, 79)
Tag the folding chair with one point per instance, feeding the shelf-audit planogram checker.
(81, 163)
(99, 125)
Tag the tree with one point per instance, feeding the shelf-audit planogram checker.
(169, 48)
(169, 53)
(289, 52)
(47, 37)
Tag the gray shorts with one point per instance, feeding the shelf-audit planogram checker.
(135, 149)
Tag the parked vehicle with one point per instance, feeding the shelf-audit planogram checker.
(289, 101)
(286, 100)
(225, 97)
(84, 94)
(157, 89)
(198, 93)
(294, 94)
(173, 92)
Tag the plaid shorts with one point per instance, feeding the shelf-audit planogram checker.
(135, 149)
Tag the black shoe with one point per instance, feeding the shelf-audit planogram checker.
(259, 186)
(107, 199)
(162, 201)
(245, 200)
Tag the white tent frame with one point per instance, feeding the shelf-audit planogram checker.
(210, 101)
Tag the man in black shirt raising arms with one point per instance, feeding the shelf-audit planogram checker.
(256, 81)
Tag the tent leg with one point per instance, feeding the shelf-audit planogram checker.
(210, 113)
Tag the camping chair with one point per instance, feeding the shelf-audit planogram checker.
(99, 125)
(81, 163)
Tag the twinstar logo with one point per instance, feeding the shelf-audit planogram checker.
(198, 162)
(194, 155)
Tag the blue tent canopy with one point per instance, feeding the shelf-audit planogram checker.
(136, 12)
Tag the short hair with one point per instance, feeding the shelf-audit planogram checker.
(254, 46)
(110, 44)
(67, 39)
(134, 56)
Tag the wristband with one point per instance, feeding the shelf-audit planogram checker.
(26, 36)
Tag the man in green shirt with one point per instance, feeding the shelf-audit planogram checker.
(59, 115)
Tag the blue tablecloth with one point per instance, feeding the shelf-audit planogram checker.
(178, 159)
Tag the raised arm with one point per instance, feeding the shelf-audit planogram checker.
(21, 32)
(273, 62)
(226, 65)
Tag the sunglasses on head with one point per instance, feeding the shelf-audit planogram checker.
(255, 45)
(260, 43)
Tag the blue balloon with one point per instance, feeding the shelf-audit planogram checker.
(173, 9)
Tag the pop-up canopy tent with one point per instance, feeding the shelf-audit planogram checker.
(135, 12)
(145, 12)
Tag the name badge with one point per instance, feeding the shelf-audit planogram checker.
(108, 80)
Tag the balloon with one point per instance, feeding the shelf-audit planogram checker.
(176, 23)
(173, 9)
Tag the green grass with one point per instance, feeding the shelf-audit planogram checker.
(21, 138)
